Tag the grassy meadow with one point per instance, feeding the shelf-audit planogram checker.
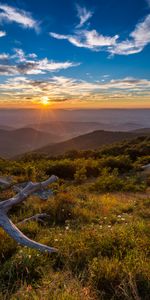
(98, 219)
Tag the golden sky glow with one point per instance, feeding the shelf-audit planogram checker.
(65, 92)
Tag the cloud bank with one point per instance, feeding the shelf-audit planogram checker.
(62, 89)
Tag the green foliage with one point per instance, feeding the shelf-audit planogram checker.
(80, 175)
(122, 162)
(110, 181)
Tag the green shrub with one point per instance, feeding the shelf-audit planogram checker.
(80, 175)
(107, 182)
(111, 181)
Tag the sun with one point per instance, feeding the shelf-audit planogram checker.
(45, 100)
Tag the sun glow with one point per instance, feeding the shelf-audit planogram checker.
(45, 100)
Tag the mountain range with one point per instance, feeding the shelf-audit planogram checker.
(92, 140)
(59, 137)
(14, 142)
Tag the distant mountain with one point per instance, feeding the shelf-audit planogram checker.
(142, 130)
(5, 127)
(113, 118)
(67, 130)
(91, 140)
(22, 140)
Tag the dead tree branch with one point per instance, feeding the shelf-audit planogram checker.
(10, 228)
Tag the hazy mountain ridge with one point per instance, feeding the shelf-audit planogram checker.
(132, 118)
(66, 129)
(60, 137)
(91, 140)
(14, 142)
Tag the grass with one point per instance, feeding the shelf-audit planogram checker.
(99, 221)
(103, 242)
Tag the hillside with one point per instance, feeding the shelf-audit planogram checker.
(22, 140)
(91, 140)
(97, 216)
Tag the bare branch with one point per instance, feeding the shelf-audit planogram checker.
(37, 217)
(26, 192)
(10, 228)
(19, 237)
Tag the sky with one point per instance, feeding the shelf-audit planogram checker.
(75, 54)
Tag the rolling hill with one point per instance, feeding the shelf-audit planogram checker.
(91, 140)
(22, 140)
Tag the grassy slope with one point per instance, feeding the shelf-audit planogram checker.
(103, 237)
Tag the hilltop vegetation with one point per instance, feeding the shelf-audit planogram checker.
(98, 218)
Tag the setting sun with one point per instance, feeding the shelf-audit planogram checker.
(45, 100)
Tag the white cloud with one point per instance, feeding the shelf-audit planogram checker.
(20, 55)
(137, 41)
(12, 14)
(4, 56)
(32, 55)
(87, 39)
(2, 33)
(21, 63)
(83, 14)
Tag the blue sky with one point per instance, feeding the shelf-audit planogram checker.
(75, 53)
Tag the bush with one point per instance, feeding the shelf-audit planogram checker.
(122, 163)
(63, 169)
(111, 181)
(80, 175)
(107, 182)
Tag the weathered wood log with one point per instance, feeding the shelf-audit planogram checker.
(7, 224)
